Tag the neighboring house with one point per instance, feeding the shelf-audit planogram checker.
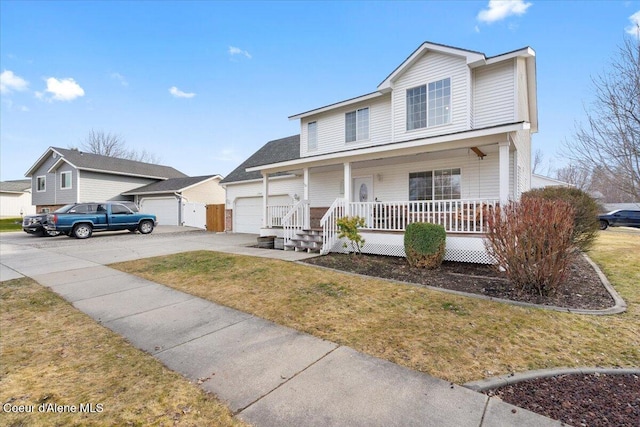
(15, 198)
(444, 138)
(541, 181)
(608, 207)
(61, 176)
(180, 201)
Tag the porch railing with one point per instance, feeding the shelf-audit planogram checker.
(329, 224)
(468, 216)
(296, 219)
(275, 213)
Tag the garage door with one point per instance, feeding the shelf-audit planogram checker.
(165, 209)
(247, 213)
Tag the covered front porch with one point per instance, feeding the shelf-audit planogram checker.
(455, 184)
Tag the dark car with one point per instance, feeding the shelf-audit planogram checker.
(35, 224)
(620, 218)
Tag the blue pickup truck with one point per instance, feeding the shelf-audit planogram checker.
(82, 219)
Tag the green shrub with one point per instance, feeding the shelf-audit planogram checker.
(348, 227)
(585, 212)
(424, 244)
(532, 241)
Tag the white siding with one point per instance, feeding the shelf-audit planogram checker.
(494, 95)
(325, 187)
(522, 143)
(96, 187)
(331, 127)
(14, 204)
(431, 67)
(210, 193)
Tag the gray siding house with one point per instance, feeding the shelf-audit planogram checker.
(61, 176)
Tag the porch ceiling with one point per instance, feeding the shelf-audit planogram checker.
(478, 138)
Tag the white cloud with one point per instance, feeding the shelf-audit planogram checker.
(635, 23)
(119, 77)
(498, 10)
(10, 82)
(237, 51)
(61, 90)
(180, 94)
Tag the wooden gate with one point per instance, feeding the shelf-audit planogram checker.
(215, 218)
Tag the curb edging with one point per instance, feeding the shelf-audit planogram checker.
(504, 380)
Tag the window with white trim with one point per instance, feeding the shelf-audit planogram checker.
(65, 180)
(356, 125)
(312, 136)
(41, 183)
(429, 105)
(443, 184)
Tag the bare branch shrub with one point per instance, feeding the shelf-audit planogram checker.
(532, 240)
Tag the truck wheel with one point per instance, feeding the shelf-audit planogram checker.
(82, 231)
(145, 227)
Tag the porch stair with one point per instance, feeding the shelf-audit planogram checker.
(309, 240)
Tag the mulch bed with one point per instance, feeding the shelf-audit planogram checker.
(580, 400)
(582, 289)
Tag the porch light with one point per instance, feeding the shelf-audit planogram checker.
(379, 176)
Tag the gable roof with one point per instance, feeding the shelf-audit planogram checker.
(15, 186)
(171, 185)
(105, 164)
(278, 150)
(473, 59)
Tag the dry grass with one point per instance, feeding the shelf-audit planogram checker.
(52, 353)
(451, 337)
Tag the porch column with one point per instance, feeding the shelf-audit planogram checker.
(265, 198)
(503, 161)
(347, 182)
(305, 184)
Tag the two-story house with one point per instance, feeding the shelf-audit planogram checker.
(444, 138)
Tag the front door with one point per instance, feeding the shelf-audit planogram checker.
(363, 192)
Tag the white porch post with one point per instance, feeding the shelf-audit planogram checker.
(265, 199)
(305, 184)
(347, 182)
(503, 159)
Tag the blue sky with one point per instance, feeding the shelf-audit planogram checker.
(204, 84)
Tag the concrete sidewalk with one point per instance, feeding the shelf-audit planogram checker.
(269, 375)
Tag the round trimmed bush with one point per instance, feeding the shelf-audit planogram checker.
(585, 208)
(424, 244)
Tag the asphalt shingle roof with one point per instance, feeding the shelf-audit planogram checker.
(97, 162)
(170, 185)
(278, 150)
(15, 186)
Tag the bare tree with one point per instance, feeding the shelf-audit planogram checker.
(610, 140)
(114, 145)
(537, 161)
(578, 176)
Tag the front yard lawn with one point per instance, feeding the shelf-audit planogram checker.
(452, 337)
(10, 224)
(52, 354)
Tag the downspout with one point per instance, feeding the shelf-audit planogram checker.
(180, 197)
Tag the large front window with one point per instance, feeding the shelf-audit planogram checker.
(357, 125)
(441, 184)
(429, 105)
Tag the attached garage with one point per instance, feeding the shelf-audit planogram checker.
(247, 212)
(164, 208)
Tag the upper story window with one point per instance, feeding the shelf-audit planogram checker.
(357, 125)
(441, 184)
(429, 105)
(312, 136)
(65, 180)
(41, 183)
